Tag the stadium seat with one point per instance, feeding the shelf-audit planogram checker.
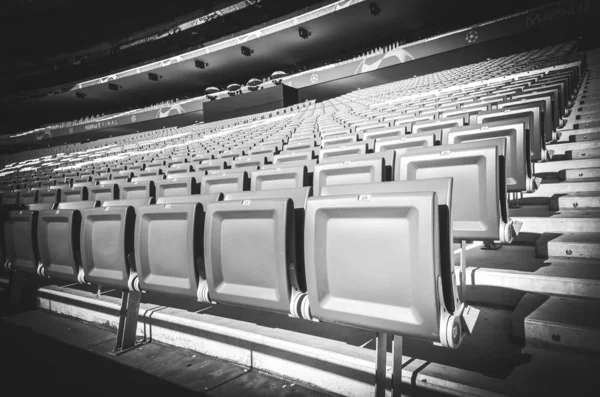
(75, 193)
(404, 291)
(107, 238)
(480, 210)
(177, 187)
(357, 169)
(518, 160)
(58, 236)
(28, 196)
(20, 233)
(176, 265)
(225, 182)
(262, 269)
(104, 192)
(279, 178)
(137, 189)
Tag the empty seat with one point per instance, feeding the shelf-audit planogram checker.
(20, 233)
(279, 178)
(177, 187)
(9, 198)
(107, 238)
(168, 248)
(49, 196)
(75, 193)
(397, 284)
(225, 182)
(28, 197)
(136, 190)
(287, 157)
(104, 192)
(334, 154)
(58, 236)
(518, 160)
(531, 117)
(480, 210)
(203, 199)
(261, 269)
(354, 170)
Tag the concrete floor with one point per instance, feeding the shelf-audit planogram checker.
(45, 353)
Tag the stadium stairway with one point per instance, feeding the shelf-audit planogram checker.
(561, 222)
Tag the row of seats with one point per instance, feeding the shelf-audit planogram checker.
(264, 250)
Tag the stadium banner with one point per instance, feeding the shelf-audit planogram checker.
(153, 114)
(515, 24)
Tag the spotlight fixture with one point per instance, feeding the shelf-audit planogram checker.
(374, 8)
(154, 76)
(200, 64)
(80, 95)
(247, 51)
(303, 33)
(114, 87)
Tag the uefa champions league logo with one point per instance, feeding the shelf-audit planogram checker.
(133, 118)
(314, 78)
(472, 36)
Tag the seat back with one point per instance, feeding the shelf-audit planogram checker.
(356, 170)
(251, 269)
(168, 248)
(477, 168)
(106, 243)
(518, 160)
(203, 199)
(177, 187)
(225, 182)
(76, 193)
(104, 192)
(279, 178)
(374, 261)
(136, 190)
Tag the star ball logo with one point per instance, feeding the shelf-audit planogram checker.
(314, 78)
(472, 36)
(71, 130)
(133, 118)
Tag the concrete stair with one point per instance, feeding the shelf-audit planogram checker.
(563, 148)
(579, 174)
(540, 219)
(588, 153)
(549, 187)
(579, 200)
(557, 323)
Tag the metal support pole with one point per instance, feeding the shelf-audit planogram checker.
(397, 369)
(128, 318)
(381, 370)
(17, 283)
(463, 270)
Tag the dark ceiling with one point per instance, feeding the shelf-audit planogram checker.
(46, 29)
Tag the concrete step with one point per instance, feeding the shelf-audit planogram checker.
(549, 187)
(568, 221)
(579, 125)
(579, 174)
(500, 277)
(589, 153)
(594, 136)
(579, 200)
(563, 323)
(559, 165)
(567, 132)
(572, 245)
(562, 148)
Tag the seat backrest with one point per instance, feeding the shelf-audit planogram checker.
(168, 248)
(78, 205)
(133, 190)
(518, 160)
(357, 170)
(177, 187)
(226, 182)
(478, 171)
(106, 244)
(128, 202)
(256, 269)
(374, 261)
(104, 192)
(279, 178)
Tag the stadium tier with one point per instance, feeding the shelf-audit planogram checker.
(456, 213)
